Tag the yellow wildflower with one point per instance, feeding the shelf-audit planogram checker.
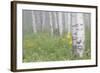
(69, 38)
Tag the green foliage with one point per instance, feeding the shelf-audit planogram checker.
(43, 47)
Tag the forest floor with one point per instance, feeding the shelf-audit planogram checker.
(43, 47)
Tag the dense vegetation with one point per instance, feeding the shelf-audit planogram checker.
(43, 47)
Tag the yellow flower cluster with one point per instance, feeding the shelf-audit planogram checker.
(69, 38)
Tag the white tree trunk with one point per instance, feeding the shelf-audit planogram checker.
(78, 33)
(43, 21)
(69, 21)
(74, 33)
(33, 22)
(55, 16)
(60, 23)
(51, 22)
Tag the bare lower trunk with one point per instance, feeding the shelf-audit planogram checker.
(51, 22)
(78, 34)
(60, 23)
(33, 22)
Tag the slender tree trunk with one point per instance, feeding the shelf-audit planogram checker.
(60, 23)
(38, 14)
(69, 22)
(33, 22)
(56, 25)
(51, 22)
(65, 22)
(43, 21)
(74, 32)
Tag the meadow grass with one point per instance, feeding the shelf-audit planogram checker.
(43, 47)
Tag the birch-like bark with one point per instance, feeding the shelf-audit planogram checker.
(60, 23)
(69, 22)
(56, 30)
(55, 16)
(78, 34)
(51, 22)
(33, 22)
(43, 21)
(74, 33)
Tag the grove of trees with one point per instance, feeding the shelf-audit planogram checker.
(57, 23)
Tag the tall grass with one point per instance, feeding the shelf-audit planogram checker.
(43, 47)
